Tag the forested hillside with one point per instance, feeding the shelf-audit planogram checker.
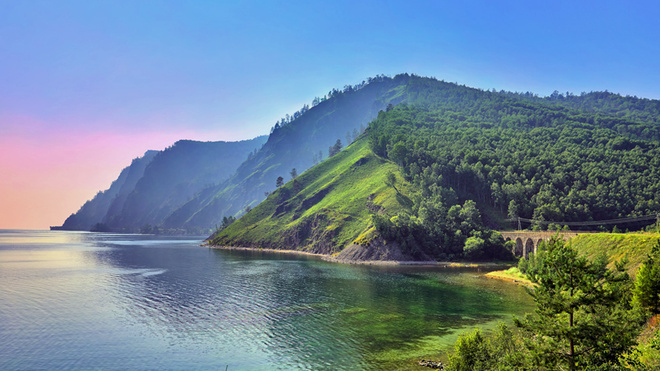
(474, 158)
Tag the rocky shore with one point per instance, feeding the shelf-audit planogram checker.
(355, 255)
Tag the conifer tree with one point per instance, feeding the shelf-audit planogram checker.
(582, 319)
(646, 293)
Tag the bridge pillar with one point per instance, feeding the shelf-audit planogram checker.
(529, 248)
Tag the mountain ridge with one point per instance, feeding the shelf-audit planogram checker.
(300, 141)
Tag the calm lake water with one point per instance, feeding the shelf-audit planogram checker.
(138, 302)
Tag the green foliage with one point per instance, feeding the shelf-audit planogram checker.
(646, 293)
(534, 265)
(472, 352)
(226, 221)
(334, 149)
(502, 351)
(390, 180)
(433, 228)
(398, 153)
(535, 159)
(583, 318)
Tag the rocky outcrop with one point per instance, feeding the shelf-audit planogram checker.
(432, 364)
(378, 250)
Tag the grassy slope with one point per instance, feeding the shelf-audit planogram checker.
(616, 246)
(329, 212)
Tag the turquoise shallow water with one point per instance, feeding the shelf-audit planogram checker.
(115, 302)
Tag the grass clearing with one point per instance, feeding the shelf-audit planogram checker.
(616, 246)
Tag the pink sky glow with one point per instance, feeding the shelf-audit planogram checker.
(46, 175)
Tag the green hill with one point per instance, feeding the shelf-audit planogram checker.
(325, 208)
(468, 159)
(299, 141)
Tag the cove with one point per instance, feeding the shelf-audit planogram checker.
(109, 301)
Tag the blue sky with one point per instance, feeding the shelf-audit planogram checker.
(163, 70)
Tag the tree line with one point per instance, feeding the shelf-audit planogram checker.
(514, 156)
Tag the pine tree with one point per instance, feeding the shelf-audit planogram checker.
(582, 319)
(646, 293)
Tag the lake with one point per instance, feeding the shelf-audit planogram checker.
(75, 300)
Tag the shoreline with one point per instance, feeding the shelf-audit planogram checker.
(332, 259)
(502, 276)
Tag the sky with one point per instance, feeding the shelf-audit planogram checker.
(86, 86)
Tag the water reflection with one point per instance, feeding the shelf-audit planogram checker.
(124, 300)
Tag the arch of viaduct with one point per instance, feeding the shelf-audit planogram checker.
(527, 242)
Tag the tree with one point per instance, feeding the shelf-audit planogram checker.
(473, 247)
(582, 318)
(336, 148)
(390, 180)
(279, 182)
(294, 173)
(646, 293)
(226, 221)
(398, 153)
(513, 209)
(472, 351)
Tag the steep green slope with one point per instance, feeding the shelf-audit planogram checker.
(298, 143)
(325, 208)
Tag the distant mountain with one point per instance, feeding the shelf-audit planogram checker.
(94, 211)
(159, 182)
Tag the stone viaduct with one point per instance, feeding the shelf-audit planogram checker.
(528, 241)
